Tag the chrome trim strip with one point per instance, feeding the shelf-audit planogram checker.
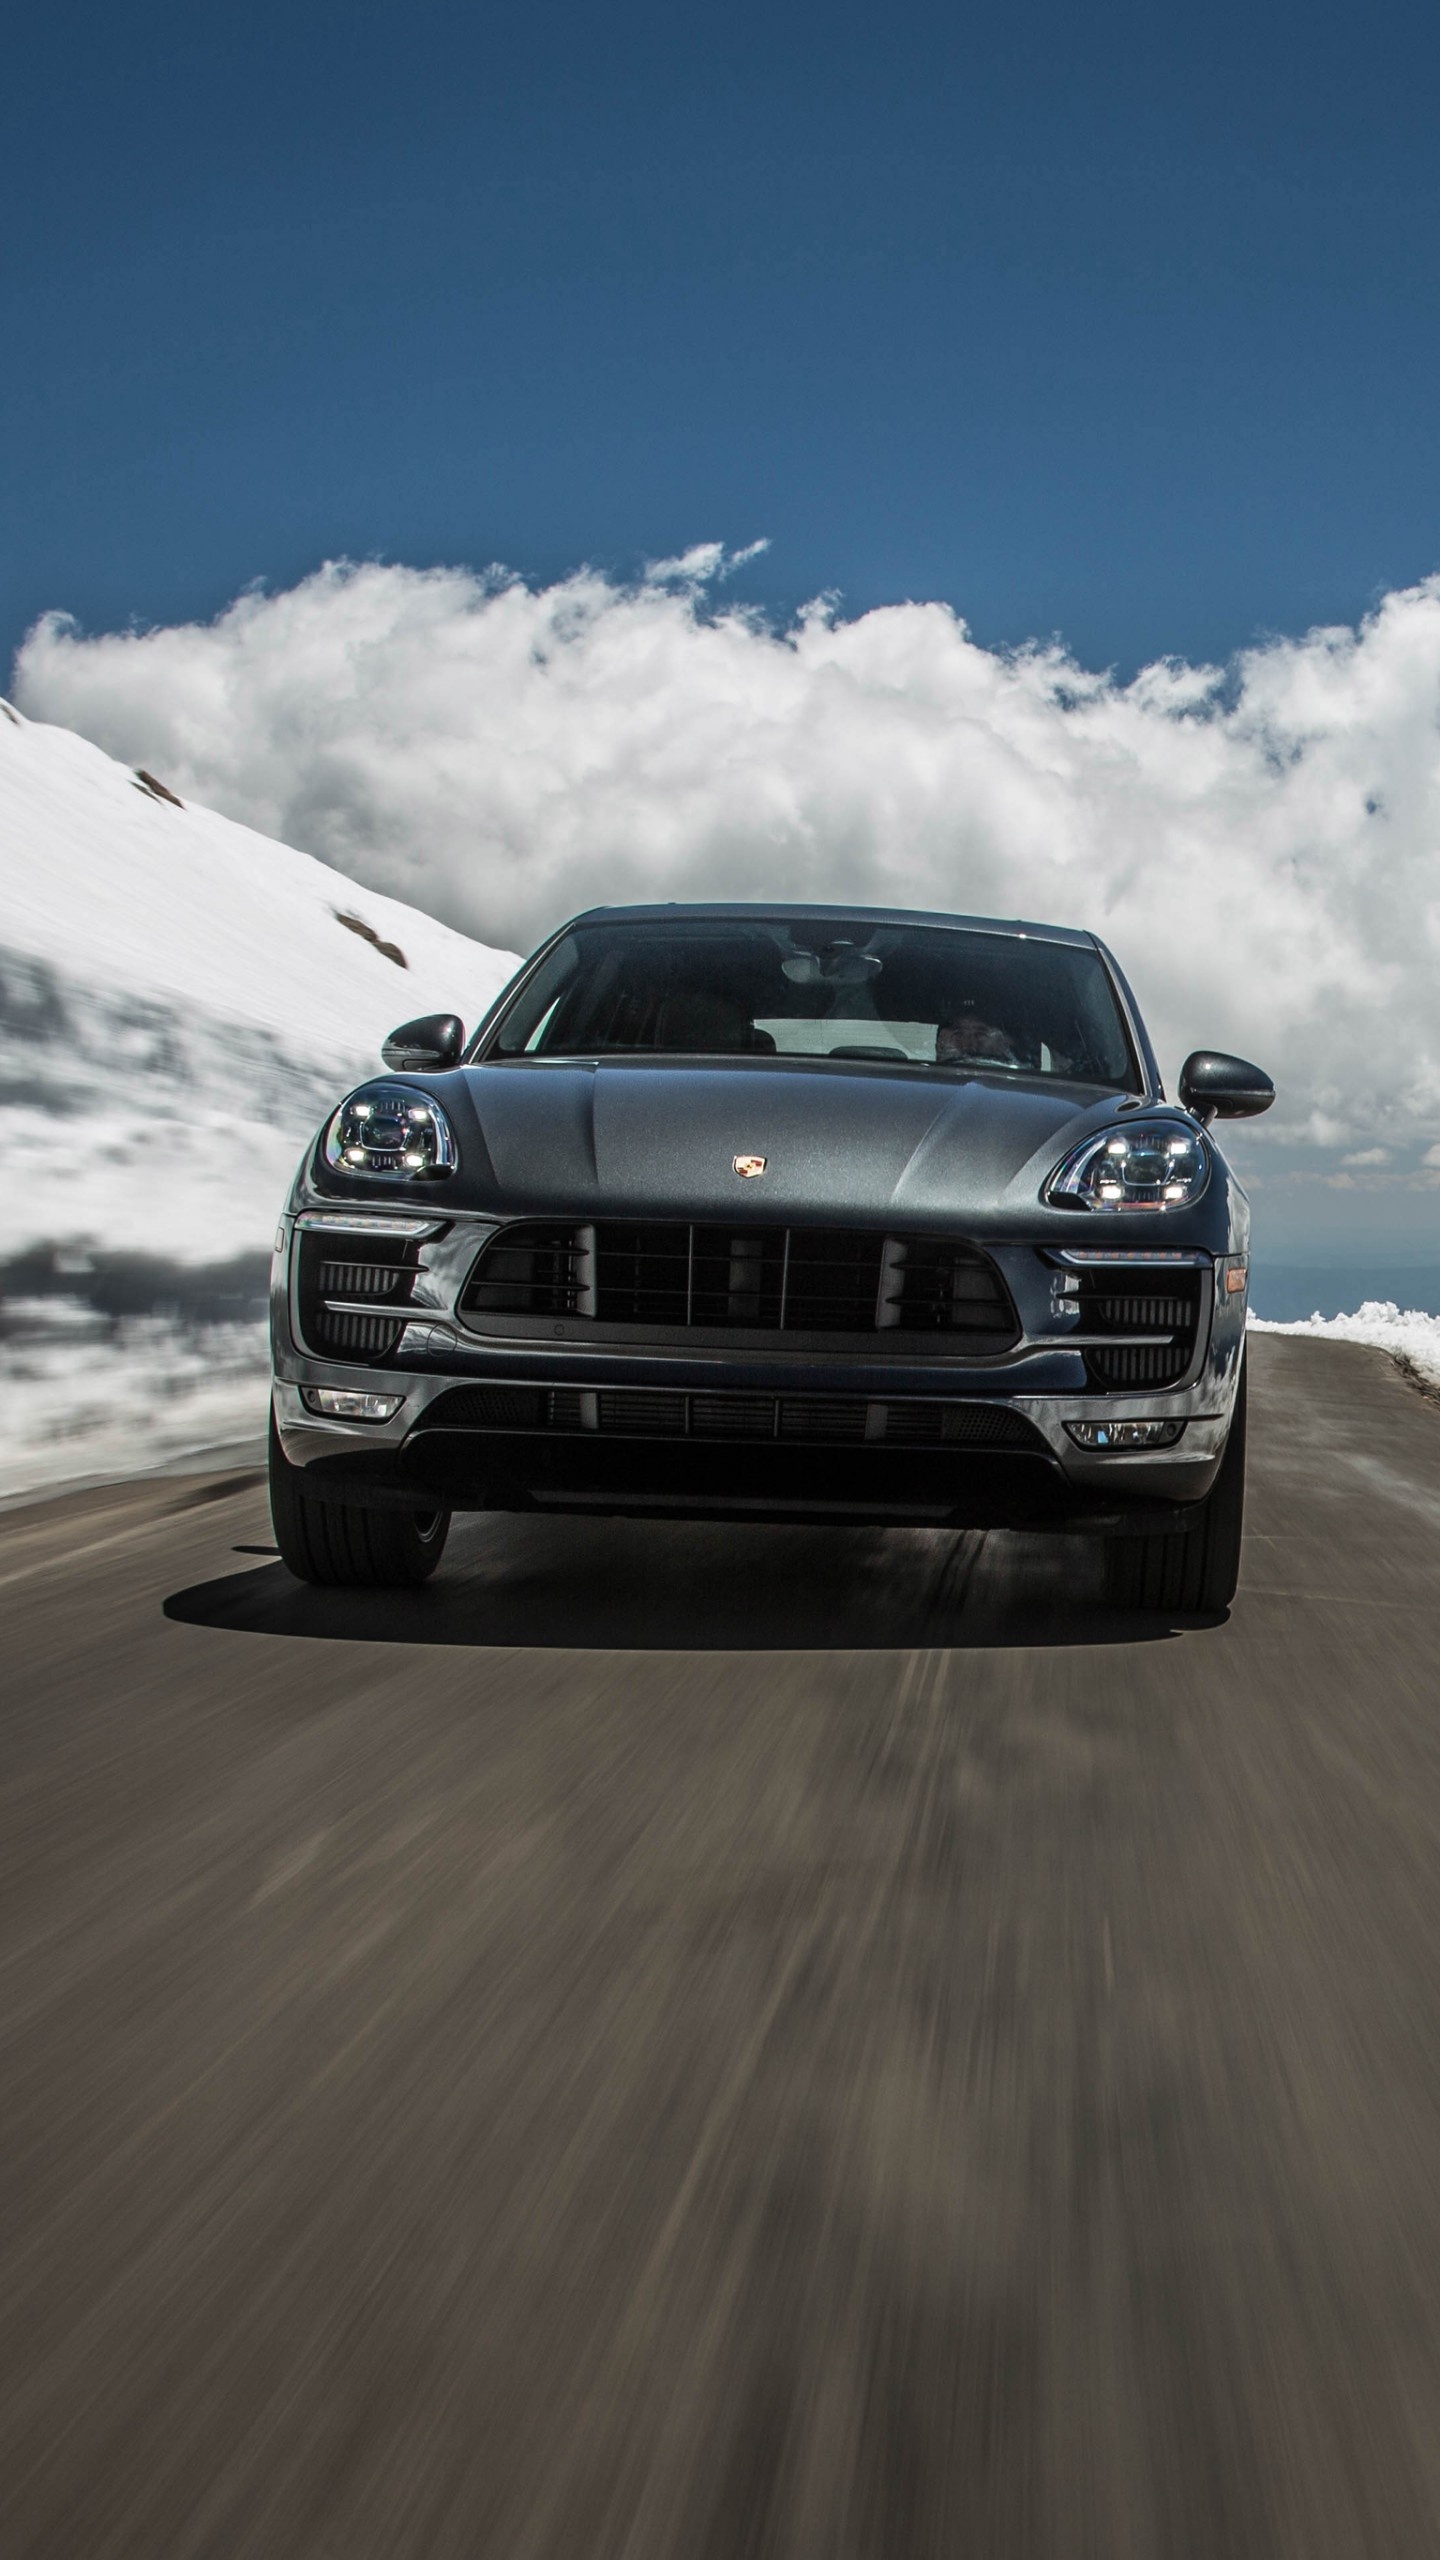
(1091, 1257)
(352, 1223)
(1100, 1341)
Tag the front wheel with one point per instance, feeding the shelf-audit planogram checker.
(1191, 1571)
(322, 1540)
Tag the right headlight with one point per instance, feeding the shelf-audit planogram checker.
(1152, 1164)
(393, 1130)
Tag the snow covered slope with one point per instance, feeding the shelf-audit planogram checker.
(1409, 1335)
(179, 1000)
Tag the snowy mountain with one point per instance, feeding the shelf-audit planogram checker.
(179, 999)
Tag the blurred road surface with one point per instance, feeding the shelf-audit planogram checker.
(717, 2044)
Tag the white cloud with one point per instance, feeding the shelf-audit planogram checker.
(1368, 1155)
(1262, 850)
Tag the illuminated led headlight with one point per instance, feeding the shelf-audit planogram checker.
(1155, 1164)
(392, 1131)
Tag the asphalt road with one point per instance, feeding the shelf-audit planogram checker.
(681, 2043)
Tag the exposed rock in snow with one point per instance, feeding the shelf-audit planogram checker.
(180, 998)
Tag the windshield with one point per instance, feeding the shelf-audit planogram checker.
(895, 994)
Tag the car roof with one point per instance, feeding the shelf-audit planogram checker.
(796, 911)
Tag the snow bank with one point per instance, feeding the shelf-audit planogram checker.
(86, 1400)
(180, 1001)
(1411, 1337)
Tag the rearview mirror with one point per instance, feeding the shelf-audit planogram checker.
(1217, 1087)
(426, 1046)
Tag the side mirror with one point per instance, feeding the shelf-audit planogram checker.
(1215, 1087)
(427, 1046)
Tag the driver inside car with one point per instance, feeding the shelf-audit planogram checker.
(969, 1035)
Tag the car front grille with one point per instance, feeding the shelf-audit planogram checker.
(1165, 1303)
(338, 1286)
(655, 1413)
(786, 1280)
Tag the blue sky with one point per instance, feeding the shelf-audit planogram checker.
(1110, 321)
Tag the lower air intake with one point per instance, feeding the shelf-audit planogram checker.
(649, 1413)
(339, 1283)
(1166, 1304)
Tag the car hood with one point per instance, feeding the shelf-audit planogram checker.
(838, 1143)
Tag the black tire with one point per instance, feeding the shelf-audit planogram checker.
(1190, 1572)
(340, 1542)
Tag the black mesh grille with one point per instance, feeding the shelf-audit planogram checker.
(1165, 1303)
(965, 1426)
(760, 1279)
(732, 1417)
(649, 1416)
(823, 1417)
(341, 1330)
(494, 1408)
(360, 1279)
(530, 1271)
(336, 1283)
(656, 1414)
(1136, 1314)
(642, 1274)
(834, 1281)
(1139, 1364)
(945, 1288)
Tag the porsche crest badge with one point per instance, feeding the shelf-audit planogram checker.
(749, 1166)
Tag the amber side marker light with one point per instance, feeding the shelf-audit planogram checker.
(1236, 1275)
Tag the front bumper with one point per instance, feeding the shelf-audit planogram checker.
(642, 1429)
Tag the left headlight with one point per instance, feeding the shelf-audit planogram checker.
(392, 1131)
(1153, 1164)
